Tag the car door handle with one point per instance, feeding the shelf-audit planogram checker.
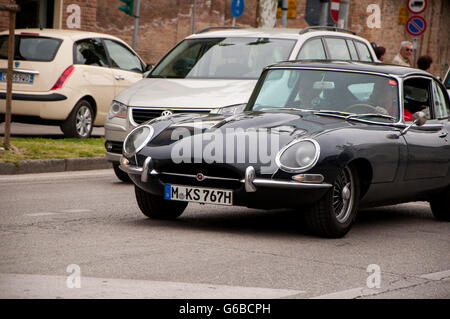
(119, 77)
(443, 134)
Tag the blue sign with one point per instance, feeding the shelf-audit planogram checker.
(416, 25)
(237, 7)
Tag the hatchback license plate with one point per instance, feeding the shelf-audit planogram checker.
(18, 77)
(198, 194)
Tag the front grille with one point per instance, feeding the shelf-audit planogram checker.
(209, 170)
(142, 115)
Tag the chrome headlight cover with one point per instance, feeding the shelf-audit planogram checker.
(304, 156)
(137, 139)
(117, 109)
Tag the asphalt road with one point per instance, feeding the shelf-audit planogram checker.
(61, 231)
(46, 131)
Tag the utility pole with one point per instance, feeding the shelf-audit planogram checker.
(12, 7)
(136, 23)
(194, 10)
(284, 8)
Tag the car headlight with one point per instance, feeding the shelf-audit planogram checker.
(117, 109)
(298, 156)
(137, 139)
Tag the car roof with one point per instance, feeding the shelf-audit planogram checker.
(373, 67)
(287, 33)
(61, 33)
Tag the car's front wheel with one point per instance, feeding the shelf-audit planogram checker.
(156, 207)
(333, 215)
(121, 174)
(79, 124)
(440, 205)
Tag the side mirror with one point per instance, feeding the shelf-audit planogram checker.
(419, 119)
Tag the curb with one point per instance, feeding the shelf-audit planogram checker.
(54, 165)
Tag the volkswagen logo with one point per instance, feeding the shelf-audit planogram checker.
(200, 177)
(166, 113)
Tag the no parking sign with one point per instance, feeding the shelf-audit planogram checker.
(416, 25)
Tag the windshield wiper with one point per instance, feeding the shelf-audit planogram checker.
(282, 108)
(372, 115)
(331, 112)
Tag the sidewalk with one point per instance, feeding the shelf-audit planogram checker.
(54, 165)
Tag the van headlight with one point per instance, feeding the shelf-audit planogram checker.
(117, 109)
(298, 156)
(137, 139)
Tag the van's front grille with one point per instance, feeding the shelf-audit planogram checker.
(141, 115)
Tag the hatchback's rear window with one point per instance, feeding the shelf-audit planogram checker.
(30, 48)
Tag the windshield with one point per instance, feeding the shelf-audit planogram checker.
(322, 90)
(30, 48)
(224, 58)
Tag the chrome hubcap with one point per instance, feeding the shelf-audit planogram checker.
(343, 195)
(83, 121)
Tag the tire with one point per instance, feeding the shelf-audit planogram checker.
(79, 124)
(334, 220)
(156, 207)
(121, 174)
(440, 206)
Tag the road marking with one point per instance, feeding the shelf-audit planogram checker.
(20, 178)
(41, 214)
(437, 275)
(41, 286)
(364, 291)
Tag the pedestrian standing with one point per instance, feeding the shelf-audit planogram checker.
(424, 63)
(403, 57)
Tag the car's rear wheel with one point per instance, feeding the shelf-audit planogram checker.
(79, 124)
(440, 205)
(121, 174)
(156, 207)
(333, 215)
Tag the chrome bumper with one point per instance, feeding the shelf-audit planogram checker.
(250, 182)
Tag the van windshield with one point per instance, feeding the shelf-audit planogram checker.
(223, 58)
(30, 48)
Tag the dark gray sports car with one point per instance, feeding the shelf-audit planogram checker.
(324, 138)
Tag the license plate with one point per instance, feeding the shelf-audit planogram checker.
(18, 77)
(198, 194)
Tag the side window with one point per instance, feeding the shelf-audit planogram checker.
(90, 52)
(312, 49)
(122, 57)
(417, 97)
(441, 108)
(364, 52)
(352, 48)
(337, 48)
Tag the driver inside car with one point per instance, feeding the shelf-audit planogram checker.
(384, 97)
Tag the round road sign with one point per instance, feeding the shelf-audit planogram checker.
(417, 6)
(416, 25)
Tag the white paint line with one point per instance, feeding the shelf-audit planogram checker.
(349, 294)
(4, 179)
(76, 211)
(437, 275)
(41, 214)
(362, 292)
(40, 286)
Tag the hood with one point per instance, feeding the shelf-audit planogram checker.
(249, 137)
(186, 93)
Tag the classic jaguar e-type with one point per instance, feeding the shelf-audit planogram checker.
(324, 138)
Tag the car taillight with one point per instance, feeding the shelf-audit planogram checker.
(62, 79)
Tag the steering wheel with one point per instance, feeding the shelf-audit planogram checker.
(373, 108)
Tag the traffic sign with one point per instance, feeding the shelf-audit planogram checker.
(237, 7)
(416, 6)
(334, 10)
(416, 25)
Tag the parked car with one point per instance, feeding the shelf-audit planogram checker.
(343, 144)
(219, 67)
(66, 78)
(447, 81)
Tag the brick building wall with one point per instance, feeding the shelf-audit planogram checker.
(163, 23)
